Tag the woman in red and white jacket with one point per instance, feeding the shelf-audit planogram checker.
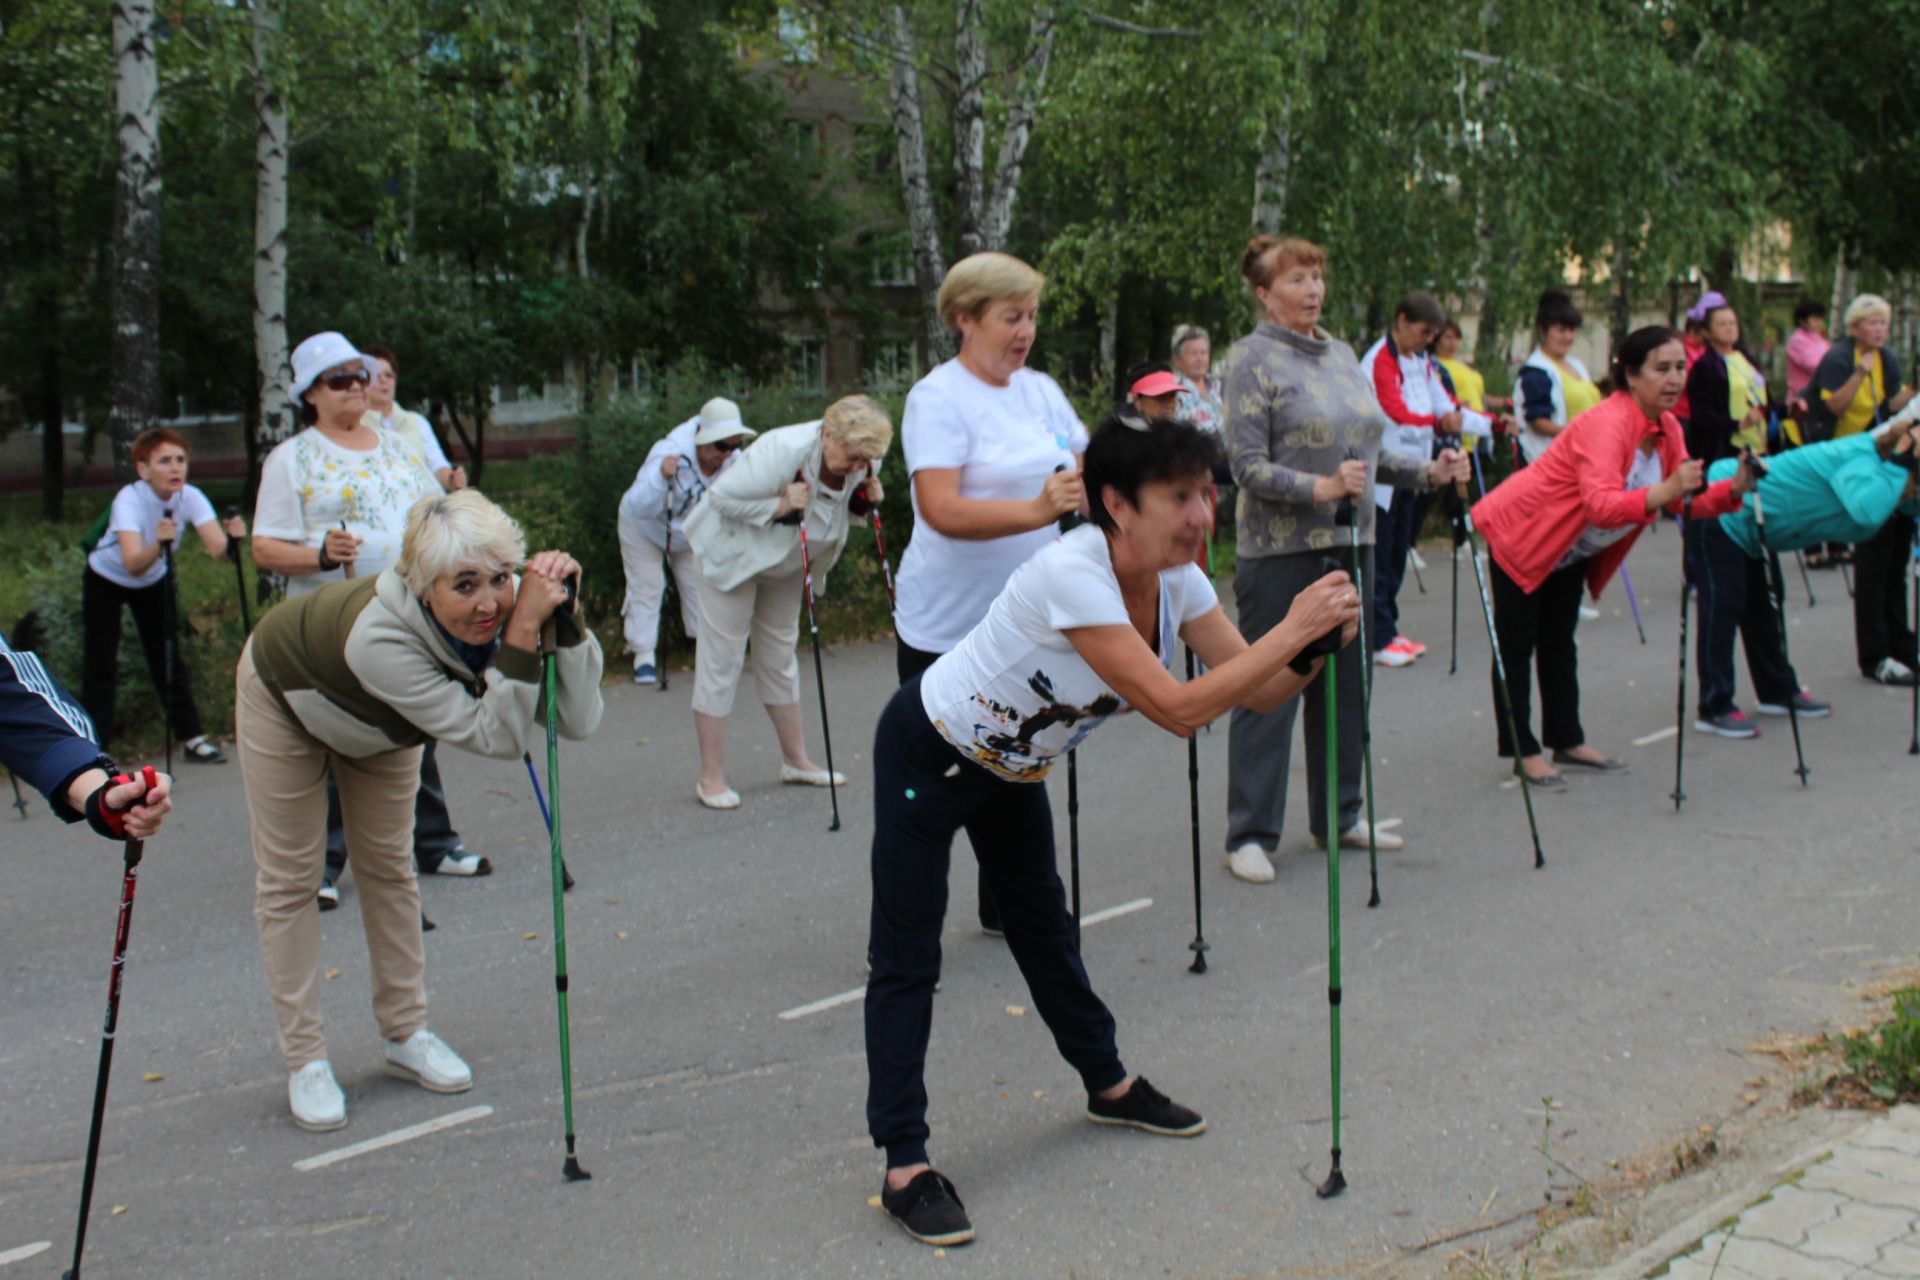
(1569, 519)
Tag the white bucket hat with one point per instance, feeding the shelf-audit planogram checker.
(321, 352)
(720, 420)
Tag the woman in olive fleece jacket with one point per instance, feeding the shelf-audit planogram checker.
(354, 678)
(1303, 431)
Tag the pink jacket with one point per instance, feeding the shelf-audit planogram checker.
(1538, 513)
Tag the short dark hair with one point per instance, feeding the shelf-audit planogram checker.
(1128, 450)
(1452, 326)
(1631, 355)
(1141, 370)
(1421, 308)
(383, 353)
(1556, 310)
(1808, 309)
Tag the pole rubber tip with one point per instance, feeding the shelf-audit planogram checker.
(574, 1172)
(1336, 1183)
(1373, 899)
(834, 825)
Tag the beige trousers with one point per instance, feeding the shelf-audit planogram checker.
(285, 770)
(761, 618)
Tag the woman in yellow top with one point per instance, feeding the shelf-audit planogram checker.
(1554, 387)
(1468, 386)
(1856, 386)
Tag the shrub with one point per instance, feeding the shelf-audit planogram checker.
(1887, 1059)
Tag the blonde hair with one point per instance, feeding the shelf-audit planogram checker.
(1867, 306)
(859, 424)
(449, 532)
(982, 278)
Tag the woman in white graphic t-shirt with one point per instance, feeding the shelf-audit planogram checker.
(994, 450)
(128, 566)
(1083, 632)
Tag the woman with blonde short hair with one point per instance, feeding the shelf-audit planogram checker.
(746, 535)
(1856, 387)
(353, 678)
(993, 449)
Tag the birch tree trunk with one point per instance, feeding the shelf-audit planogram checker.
(1273, 175)
(136, 239)
(970, 129)
(998, 220)
(910, 146)
(277, 420)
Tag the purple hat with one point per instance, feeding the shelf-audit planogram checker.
(1708, 301)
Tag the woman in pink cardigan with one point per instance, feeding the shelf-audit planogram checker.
(1569, 519)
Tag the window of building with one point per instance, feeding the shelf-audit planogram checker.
(890, 259)
(807, 365)
(892, 364)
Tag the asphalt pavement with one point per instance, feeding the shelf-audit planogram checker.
(1625, 982)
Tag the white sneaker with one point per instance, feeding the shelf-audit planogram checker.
(425, 1059)
(1355, 837)
(1589, 613)
(315, 1099)
(1391, 657)
(1249, 862)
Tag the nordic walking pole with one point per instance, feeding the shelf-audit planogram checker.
(1503, 694)
(1199, 944)
(129, 881)
(1336, 1181)
(1453, 642)
(880, 545)
(19, 801)
(660, 645)
(1679, 795)
(819, 674)
(1805, 577)
(1910, 578)
(1776, 592)
(549, 646)
(169, 622)
(566, 876)
(1345, 514)
(239, 575)
(1073, 834)
(1633, 602)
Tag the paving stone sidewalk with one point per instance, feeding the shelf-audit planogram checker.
(1852, 1212)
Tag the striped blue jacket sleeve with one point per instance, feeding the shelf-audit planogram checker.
(44, 735)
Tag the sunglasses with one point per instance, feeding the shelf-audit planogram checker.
(346, 381)
(725, 446)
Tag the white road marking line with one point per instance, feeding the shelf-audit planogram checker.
(393, 1139)
(859, 992)
(24, 1252)
(1661, 736)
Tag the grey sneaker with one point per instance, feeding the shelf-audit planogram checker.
(1805, 706)
(1729, 724)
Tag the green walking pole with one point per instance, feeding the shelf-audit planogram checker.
(1336, 1181)
(548, 645)
(1345, 514)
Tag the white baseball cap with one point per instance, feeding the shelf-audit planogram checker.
(720, 420)
(321, 352)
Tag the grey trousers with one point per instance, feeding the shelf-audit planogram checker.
(1260, 747)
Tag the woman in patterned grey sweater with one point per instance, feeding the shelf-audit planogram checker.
(1303, 432)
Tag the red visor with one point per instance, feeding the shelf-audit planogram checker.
(1155, 384)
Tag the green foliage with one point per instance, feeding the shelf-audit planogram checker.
(1887, 1058)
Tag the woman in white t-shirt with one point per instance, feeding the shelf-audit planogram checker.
(1083, 632)
(127, 567)
(994, 450)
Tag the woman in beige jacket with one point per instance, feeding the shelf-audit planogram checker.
(354, 678)
(746, 535)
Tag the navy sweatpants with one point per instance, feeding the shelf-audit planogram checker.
(924, 792)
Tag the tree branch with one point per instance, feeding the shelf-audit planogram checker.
(1134, 29)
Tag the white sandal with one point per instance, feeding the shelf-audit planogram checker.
(728, 799)
(792, 777)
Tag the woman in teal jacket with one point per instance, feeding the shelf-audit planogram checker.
(1835, 491)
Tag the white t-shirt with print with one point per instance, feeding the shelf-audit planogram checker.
(1005, 442)
(1644, 473)
(415, 432)
(309, 485)
(137, 509)
(1014, 695)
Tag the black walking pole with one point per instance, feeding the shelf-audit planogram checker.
(1776, 593)
(1453, 642)
(169, 603)
(1067, 523)
(819, 674)
(129, 881)
(1199, 945)
(1908, 578)
(1344, 514)
(239, 574)
(1336, 1181)
(660, 627)
(1805, 577)
(546, 818)
(1680, 700)
(19, 801)
(1502, 694)
(549, 643)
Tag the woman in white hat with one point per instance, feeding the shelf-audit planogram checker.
(653, 523)
(333, 505)
(747, 534)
